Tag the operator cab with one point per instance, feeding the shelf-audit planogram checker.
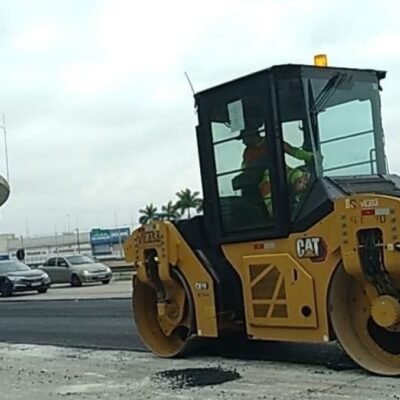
(253, 186)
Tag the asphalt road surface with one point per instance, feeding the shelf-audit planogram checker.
(108, 324)
(105, 324)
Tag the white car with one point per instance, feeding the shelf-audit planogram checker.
(76, 270)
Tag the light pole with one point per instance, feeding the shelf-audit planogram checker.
(27, 227)
(56, 238)
(5, 145)
(119, 233)
(77, 241)
(132, 224)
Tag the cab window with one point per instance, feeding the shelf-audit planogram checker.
(299, 164)
(345, 114)
(299, 146)
(347, 139)
(242, 164)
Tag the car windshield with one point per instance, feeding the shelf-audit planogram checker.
(76, 260)
(12, 266)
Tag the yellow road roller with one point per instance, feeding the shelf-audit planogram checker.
(299, 239)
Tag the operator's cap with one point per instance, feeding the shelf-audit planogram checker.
(250, 131)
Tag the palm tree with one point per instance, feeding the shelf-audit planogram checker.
(170, 210)
(148, 213)
(199, 205)
(188, 200)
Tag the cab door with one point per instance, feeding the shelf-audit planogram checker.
(243, 174)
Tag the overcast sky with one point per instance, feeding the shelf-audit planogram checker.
(99, 114)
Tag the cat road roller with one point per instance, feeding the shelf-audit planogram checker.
(300, 234)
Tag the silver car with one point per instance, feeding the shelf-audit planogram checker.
(76, 270)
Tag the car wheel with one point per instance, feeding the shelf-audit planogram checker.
(106, 282)
(6, 289)
(75, 281)
(42, 290)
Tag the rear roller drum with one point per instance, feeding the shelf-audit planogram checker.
(164, 327)
(366, 331)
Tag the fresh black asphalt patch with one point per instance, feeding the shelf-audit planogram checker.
(196, 377)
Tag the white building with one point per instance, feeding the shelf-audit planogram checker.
(38, 249)
(103, 244)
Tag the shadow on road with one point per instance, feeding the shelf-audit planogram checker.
(22, 294)
(58, 286)
(327, 355)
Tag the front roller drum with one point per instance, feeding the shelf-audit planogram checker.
(155, 320)
(374, 346)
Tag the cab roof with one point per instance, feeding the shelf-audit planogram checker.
(290, 69)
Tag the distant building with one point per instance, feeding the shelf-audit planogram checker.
(39, 248)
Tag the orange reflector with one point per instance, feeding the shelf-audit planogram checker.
(321, 60)
(368, 211)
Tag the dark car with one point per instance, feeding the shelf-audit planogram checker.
(18, 277)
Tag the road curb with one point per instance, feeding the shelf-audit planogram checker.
(61, 299)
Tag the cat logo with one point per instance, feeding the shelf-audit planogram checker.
(313, 248)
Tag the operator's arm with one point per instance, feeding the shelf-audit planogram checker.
(297, 152)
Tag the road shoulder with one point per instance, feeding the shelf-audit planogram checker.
(114, 290)
(46, 372)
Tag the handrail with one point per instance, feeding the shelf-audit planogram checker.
(336, 139)
(348, 165)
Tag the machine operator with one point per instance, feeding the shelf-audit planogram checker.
(255, 155)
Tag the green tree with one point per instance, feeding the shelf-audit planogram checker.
(188, 200)
(170, 210)
(148, 213)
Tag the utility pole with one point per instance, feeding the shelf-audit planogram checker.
(132, 224)
(5, 146)
(119, 234)
(27, 227)
(120, 244)
(77, 241)
(55, 236)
